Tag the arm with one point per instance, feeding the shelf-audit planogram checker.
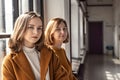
(71, 74)
(7, 69)
(59, 72)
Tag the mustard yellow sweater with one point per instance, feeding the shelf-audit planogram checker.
(60, 52)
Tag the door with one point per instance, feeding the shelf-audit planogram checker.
(95, 30)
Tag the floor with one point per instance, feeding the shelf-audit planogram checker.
(99, 67)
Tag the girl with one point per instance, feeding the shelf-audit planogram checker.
(56, 34)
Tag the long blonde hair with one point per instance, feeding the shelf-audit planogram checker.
(16, 39)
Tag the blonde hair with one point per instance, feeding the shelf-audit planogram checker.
(50, 29)
(16, 39)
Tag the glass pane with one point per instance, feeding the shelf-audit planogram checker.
(2, 29)
(3, 50)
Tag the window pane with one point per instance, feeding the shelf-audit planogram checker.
(2, 21)
(2, 47)
(3, 50)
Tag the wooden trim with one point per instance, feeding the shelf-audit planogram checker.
(100, 5)
(4, 35)
(70, 30)
(83, 6)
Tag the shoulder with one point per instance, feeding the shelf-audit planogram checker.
(48, 49)
(63, 49)
(8, 58)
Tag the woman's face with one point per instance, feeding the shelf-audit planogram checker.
(33, 32)
(60, 34)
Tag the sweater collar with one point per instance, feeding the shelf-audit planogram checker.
(29, 50)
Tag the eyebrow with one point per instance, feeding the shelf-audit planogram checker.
(34, 25)
(60, 27)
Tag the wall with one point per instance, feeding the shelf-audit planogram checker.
(74, 32)
(117, 27)
(104, 14)
(57, 8)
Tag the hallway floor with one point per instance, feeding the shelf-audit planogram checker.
(99, 67)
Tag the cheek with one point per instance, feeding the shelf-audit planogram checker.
(54, 36)
(40, 34)
(26, 38)
(26, 35)
(66, 34)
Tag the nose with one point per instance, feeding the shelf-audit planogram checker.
(62, 31)
(35, 31)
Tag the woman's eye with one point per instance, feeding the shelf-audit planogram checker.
(40, 28)
(58, 29)
(65, 29)
(30, 27)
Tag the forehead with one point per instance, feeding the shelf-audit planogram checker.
(62, 24)
(35, 20)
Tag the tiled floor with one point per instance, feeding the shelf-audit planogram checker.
(99, 67)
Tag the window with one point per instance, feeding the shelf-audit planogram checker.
(9, 11)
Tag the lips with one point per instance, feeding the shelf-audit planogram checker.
(34, 37)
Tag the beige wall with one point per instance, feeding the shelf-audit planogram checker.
(104, 14)
(117, 27)
(57, 8)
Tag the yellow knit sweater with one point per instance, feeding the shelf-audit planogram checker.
(60, 52)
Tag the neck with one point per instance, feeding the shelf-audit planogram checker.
(57, 45)
(29, 46)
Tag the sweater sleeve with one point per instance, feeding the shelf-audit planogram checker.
(71, 75)
(60, 72)
(7, 69)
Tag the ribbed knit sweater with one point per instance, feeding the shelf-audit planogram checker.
(33, 57)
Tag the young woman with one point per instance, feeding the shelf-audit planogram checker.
(29, 59)
(56, 34)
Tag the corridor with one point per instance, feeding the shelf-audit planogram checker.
(99, 67)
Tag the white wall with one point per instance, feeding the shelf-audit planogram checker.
(53, 8)
(117, 27)
(57, 8)
(74, 32)
(104, 14)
